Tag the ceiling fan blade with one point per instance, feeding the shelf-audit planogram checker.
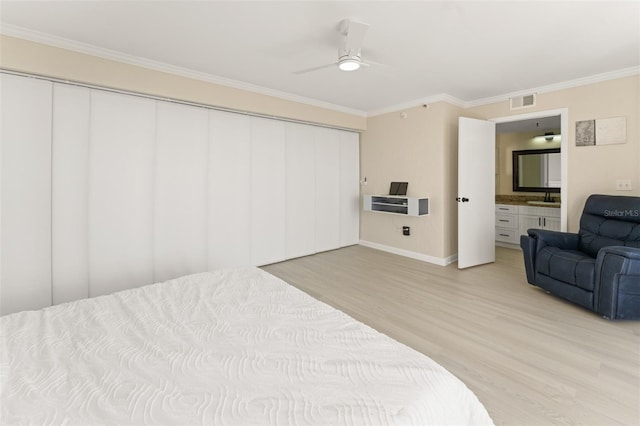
(304, 71)
(355, 35)
(369, 63)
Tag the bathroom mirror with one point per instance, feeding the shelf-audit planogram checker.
(537, 170)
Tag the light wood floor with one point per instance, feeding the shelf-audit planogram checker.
(531, 358)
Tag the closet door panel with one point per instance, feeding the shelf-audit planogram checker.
(229, 211)
(25, 266)
(70, 187)
(327, 186)
(300, 190)
(268, 211)
(121, 160)
(349, 188)
(180, 202)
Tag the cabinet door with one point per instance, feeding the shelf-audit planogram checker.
(551, 223)
(268, 211)
(327, 189)
(527, 222)
(300, 189)
(70, 193)
(25, 114)
(180, 198)
(349, 188)
(229, 211)
(121, 170)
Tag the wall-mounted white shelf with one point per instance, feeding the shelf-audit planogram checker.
(396, 204)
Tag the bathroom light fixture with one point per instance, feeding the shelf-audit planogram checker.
(548, 136)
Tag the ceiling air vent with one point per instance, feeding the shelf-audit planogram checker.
(523, 101)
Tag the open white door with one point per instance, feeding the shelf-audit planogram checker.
(476, 192)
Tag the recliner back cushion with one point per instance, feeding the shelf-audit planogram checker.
(609, 220)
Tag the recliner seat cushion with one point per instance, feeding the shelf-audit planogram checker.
(569, 266)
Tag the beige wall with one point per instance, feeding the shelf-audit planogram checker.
(506, 143)
(26, 56)
(591, 169)
(422, 150)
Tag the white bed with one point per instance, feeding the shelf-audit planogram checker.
(231, 347)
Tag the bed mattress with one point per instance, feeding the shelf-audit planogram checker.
(230, 347)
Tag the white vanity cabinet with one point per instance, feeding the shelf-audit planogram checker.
(538, 218)
(514, 220)
(507, 223)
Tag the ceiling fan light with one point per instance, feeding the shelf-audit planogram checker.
(349, 65)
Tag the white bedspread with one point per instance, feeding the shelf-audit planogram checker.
(232, 347)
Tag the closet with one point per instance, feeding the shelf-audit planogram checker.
(106, 191)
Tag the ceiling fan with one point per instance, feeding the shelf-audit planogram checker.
(350, 52)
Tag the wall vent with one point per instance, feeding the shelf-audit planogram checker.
(523, 101)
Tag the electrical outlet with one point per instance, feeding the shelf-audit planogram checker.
(623, 185)
(406, 230)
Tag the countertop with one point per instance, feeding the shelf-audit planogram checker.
(521, 200)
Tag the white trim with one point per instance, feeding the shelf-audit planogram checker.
(508, 245)
(43, 38)
(88, 49)
(564, 151)
(612, 75)
(441, 261)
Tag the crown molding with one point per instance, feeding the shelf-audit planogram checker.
(63, 43)
(88, 49)
(597, 78)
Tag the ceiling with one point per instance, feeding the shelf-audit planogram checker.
(541, 125)
(468, 51)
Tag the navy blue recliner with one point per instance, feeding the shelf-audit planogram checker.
(599, 267)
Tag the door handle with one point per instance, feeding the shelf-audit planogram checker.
(462, 199)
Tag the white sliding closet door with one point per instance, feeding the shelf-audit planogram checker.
(25, 266)
(349, 188)
(121, 173)
(327, 149)
(180, 202)
(70, 189)
(229, 210)
(268, 211)
(300, 190)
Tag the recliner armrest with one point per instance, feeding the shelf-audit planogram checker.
(632, 253)
(562, 240)
(617, 286)
(538, 239)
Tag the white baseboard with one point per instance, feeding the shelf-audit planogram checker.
(442, 261)
(508, 245)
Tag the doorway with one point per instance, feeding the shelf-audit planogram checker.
(477, 137)
(546, 120)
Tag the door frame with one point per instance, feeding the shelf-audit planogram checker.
(564, 148)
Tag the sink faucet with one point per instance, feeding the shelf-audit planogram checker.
(547, 197)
